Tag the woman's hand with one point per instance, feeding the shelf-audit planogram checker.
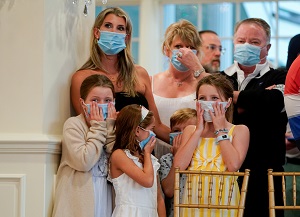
(189, 59)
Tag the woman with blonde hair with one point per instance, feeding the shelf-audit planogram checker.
(110, 55)
(174, 88)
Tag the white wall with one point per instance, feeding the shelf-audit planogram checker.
(41, 44)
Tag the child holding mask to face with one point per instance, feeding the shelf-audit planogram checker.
(133, 170)
(178, 121)
(82, 188)
(215, 144)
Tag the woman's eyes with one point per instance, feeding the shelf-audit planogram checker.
(108, 25)
(121, 28)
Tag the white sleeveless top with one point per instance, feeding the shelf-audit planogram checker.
(167, 106)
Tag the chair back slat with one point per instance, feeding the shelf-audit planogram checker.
(210, 197)
(283, 175)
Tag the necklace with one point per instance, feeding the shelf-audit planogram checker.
(113, 78)
(179, 83)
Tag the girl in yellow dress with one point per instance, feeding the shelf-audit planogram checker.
(214, 144)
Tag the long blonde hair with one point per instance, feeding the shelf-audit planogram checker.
(127, 73)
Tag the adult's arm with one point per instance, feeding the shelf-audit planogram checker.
(161, 130)
(82, 150)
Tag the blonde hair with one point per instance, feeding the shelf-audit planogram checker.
(187, 33)
(127, 71)
(181, 116)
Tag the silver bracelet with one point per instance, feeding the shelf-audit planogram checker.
(198, 72)
(221, 131)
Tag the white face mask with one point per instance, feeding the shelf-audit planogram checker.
(208, 105)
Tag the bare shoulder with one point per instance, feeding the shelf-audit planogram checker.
(118, 152)
(141, 71)
(241, 130)
(117, 155)
(80, 75)
(159, 76)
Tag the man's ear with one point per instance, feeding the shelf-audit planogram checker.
(268, 47)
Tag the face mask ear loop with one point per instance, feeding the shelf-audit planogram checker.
(85, 113)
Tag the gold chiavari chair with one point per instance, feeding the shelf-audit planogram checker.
(283, 175)
(214, 200)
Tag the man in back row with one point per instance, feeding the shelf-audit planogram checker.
(259, 104)
(210, 51)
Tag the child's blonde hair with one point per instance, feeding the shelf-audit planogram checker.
(182, 115)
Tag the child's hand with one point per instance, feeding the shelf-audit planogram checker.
(200, 119)
(111, 111)
(218, 117)
(150, 145)
(176, 144)
(96, 112)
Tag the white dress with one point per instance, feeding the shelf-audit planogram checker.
(132, 199)
(102, 189)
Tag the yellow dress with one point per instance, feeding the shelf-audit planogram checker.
(207, 157)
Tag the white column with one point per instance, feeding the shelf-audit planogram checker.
(150, 54)
(41, 44)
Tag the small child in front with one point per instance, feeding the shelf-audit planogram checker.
(178, 121)
(133, 170)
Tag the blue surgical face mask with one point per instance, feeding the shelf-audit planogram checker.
(247, 54)
(178, 65)
(144, 142)
(104, 108)
(172, 136)
(111, 43)
(208, 106)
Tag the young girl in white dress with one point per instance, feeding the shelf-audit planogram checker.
(133, 170)
(81, 187)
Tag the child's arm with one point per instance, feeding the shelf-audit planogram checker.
(234, 153)
(167, 183)
(120, 164)
(110, 122)
(190, 140)
(161, 208)
(82, 150)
